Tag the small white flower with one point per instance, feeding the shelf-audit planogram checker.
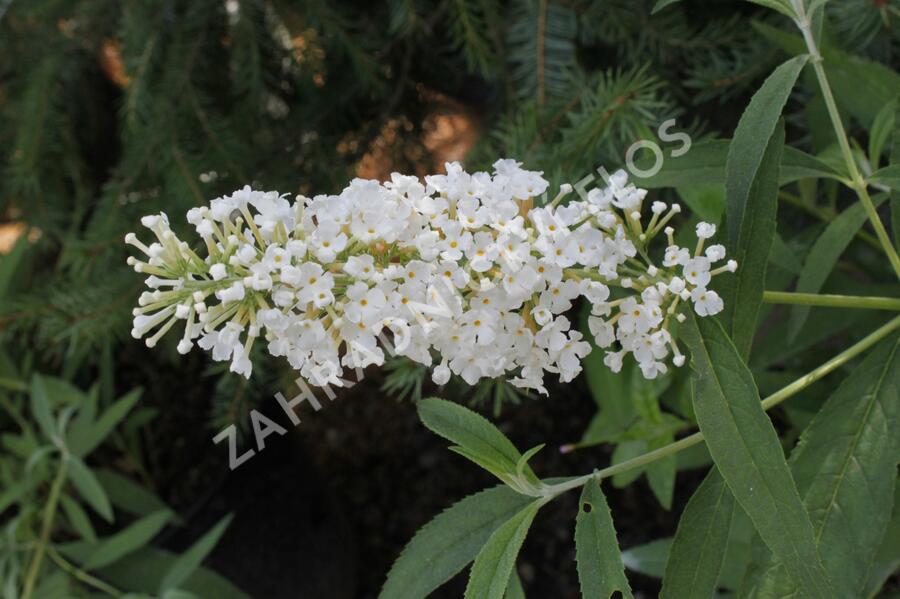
(696, 271)
(706, 302)
(705, 230)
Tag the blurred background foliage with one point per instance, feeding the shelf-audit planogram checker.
(112, 109)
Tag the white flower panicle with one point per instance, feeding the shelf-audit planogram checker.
(462, 271)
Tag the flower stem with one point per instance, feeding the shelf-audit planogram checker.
(767, 403)
(832, 301)
(857, 182)
(34, 567)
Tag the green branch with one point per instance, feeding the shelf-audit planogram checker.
(34, 567)
(767, 403)
(858, 183)
(831, 301)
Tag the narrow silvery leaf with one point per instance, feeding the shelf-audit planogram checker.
(497, 559)
(89, 488)
(40, 408)
(600, 568)
(127, 540)
(451, 540)
(746, 450)
(188, 562)
(94, 433)
(78, 518)
(698, 549)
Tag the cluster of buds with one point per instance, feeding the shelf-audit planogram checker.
(462, 271)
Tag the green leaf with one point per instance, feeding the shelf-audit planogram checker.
(623, 452)
(600, 568)
(882, 129)
(495, 562)
(128, 495)
(89, 488)
(783, 256)
(824, 255)
(743, 291)
(706, 201)
(451, 540)
(745, 448)
(698, 549)
(84, 440)
(751, 141)
(191, 559)
(648, 559)
(781, 6)
(40, 408)
(478, 439)
(661, 473)
(176, 594)
(751, 199)
(515, 590)
(895, 193)
(14, 492)
(887, 560)
(78, 518)
(523, 461)
(889, 176)
(845, 466)
(610, 391)
(142, 570)
(126, 541)
(661, 4)
(705, 164)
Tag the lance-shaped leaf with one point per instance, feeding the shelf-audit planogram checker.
(127, 541)
(887, 560)
(600, 568)
(495, 562)
(477, 439)
(84, 439)
(751, 139)
(888, 176)
(743, 291)
(845, 467)
(661, 4)
(700, 543)
(824, 255)
(451, 540)
(745, 448)
(705, 164)
(188, 562)
(89, 488)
